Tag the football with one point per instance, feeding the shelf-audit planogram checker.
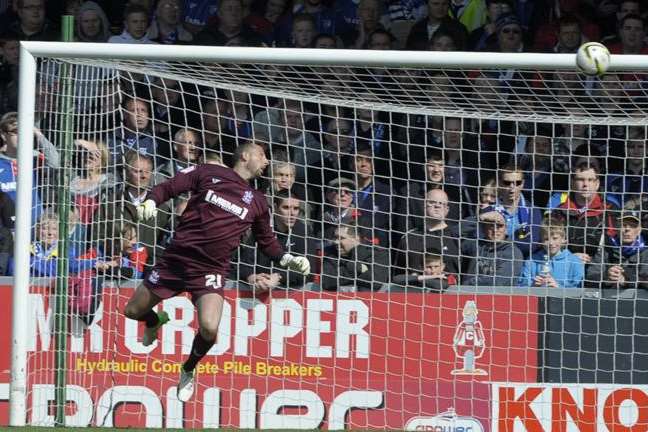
(593, 58)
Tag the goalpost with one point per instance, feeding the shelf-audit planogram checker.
(299, 359)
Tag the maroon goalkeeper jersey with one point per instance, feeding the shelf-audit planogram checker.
(221, 208)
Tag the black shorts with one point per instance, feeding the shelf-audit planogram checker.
(166, 283)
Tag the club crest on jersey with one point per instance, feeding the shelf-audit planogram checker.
(247, 197)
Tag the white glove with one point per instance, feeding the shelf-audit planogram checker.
(299, 264)
(146, 210)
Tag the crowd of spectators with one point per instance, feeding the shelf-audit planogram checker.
(376, 200)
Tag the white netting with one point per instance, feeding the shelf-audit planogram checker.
(409, 157)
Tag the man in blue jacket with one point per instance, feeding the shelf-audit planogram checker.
(522, 219)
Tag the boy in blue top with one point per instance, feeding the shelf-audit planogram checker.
(553, 266)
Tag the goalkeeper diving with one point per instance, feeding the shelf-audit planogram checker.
(222, 207)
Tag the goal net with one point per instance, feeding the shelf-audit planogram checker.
(469, 223)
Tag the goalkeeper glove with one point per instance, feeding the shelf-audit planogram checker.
(299, 264)
(146, 210)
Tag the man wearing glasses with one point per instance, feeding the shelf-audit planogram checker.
(492, 259)
(437, 236)
(522, 219)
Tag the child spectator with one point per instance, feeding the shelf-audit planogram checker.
(433, 277)
(136, 22)
(553, 266)
(45, 253)
(122, 257)
(303, 31)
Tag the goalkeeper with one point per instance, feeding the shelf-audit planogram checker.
(222, 207)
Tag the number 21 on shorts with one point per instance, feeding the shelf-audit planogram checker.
(213, 281)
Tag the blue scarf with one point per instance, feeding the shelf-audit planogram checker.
(628, 250)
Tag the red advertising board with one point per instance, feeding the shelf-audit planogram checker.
(569, 407)
(293, 360)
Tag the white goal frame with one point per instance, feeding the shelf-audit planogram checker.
(30, 51)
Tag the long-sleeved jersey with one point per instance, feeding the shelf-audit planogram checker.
(221, 208)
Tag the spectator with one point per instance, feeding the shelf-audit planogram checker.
(431, 279)
(213, 127)
(492, 260)
(373, 133)
(171, 106)
(549, 19)
(369, 17)
(438, 235)
(186, 152)
(335, 156)
(230, 26)
(121, 204)
(400, 10)
(264, 16)
(198, 13)
(380, 39)
(91, 23)
(632, 33)
(355, 266)
(136, 22)
(486, 197)
(609, 26)
(438, 19)
(410, 201)
(372, 197)
(45, 253)
(303, 31)
(93, 180)
(257, 269)
(120, 257)
(589, 216)
(7, 211)
(282, 175)
(9, 76)
(471, 13)
(46, 159)
(338, 208)
(553, 266)
(325, 41)
(136, 131)
(166, 27)
(523, 220)
(485, 36)
(509, 35)
(570, 36)
(443, 41)
(536, 164)
(238, 116)
(623, 263)
(321, 17)
(630, 188)
(32, 23)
